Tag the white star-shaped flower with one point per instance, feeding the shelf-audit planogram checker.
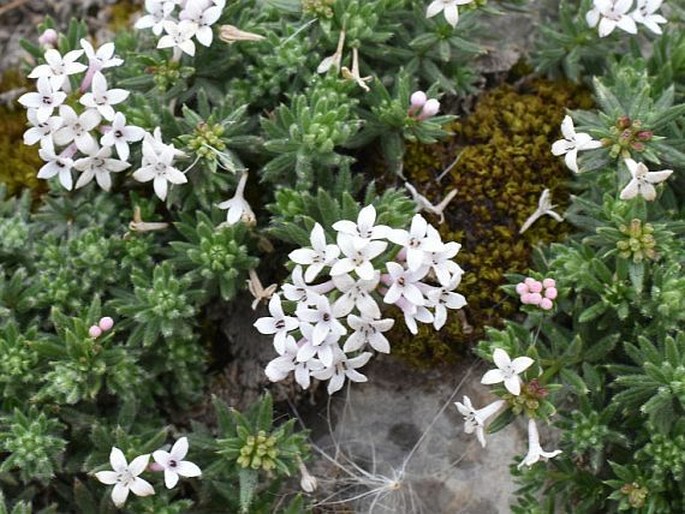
(646, 14)
(302, 292)
(403, 284)
(343, 368)
(57, 68)
(125, 477)
(573, 143)
(323, 318)
(535, 451)
(448, 7)
(474, 420)
(238, 208)
(642, 181)
(280, 367)
(59, 165)
(179, 36)
(443, 298)
(101, 98)
(102, 58)
(157, 164)
(507, 371)
(40, 132)
(365, 229)
(356, 293)
(76, 128)
(157, 13)
(99, 165)
(419, 242)
(120, 135)
(368, 331)
(44, 100)
(173, 464)
(544, 208)
(204, 17)
(278, 323)
(611, 14)
(357, 258)
(316, 257)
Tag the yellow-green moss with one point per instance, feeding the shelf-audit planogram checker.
(505, 163)
(120, 15)
(19, 163)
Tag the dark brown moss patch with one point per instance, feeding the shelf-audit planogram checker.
(504, 164)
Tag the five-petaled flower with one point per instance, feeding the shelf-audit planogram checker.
(507, 371)
(611, 14)
(448, 7)
(474, 419)
(572, 143)
(124, 477)
(157, 165)
(535, 451)
(642, 181)
(173, 464)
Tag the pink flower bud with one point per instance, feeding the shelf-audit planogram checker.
(546, 304)
(549, 282)
(94, 332)
(106, 323)
(535, 286)
(48, 38)
(417, 99)
(522, 288)
(430, 109)
(534, 298)
(551, 293)
(525, 298)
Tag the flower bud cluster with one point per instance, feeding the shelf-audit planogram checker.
(259, 452)
(103, 325)
(337, 318)
(421, 107)
(194, 21)
(534, 292)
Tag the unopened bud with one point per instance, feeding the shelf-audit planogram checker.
(418, 99)
(430, 109)
(106, 323)
(645, 135)
(546, 304)
(48, 38)
(94, 332)
(308, 482)
(637, 146)
(230, 34)
(623, 122)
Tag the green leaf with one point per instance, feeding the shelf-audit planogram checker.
(574, 380)
(248, 479)
(593, 312)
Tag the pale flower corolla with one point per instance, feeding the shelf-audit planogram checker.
(448, 7)
(58, 68)
(507, 371)
(101, 98)
(316, 257)
(646, 15)
(474, 419)
(173, 464)
(237, 207)
(99, 165)
(120, 135)
(124, 477)
(643, 181)
(535, 451)
(572, 143)
(157, 165)
(610, 14)
(43, 101)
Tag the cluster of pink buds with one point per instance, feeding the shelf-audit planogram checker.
(421, 107)
(534, 292)
(103, 325)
